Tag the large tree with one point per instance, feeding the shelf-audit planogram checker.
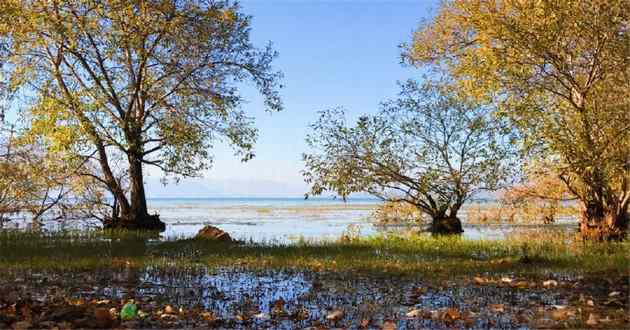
(561, 71)
(429, 148)
(135, 83)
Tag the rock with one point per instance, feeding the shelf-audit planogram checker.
(213, 233)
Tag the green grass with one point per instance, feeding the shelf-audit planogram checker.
(408, 256)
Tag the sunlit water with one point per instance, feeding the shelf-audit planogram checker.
(284, 220)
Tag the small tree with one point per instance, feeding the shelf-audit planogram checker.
(561, 71)
(428, 148)
(130, 84)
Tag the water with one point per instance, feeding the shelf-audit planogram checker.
(267, 219)
(295, 299)
(286, 220)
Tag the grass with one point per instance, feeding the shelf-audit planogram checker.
(419, 255)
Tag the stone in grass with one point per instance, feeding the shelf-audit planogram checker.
(213, 233)
(129, 311)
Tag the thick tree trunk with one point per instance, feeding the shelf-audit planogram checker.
(135, 215)
(446, 225)
(604, 223)
(138, 216)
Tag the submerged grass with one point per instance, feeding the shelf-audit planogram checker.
(418, 255)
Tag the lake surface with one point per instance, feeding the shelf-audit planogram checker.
(278, 220)
(287, 220)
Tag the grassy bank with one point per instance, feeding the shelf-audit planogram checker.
(408, 256)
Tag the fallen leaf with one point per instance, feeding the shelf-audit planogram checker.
(559, 315)
(520, 285)
(114, 312)
(614, 294)
(506, 280)
(414, 313)
(301, 314)
(550, 283)
(168, 316)
(480, 280)
(389, 325)
(497, 308)
(208, 316)
(593, 319)
(452, 314)
(262, 316)
(335, 315)
(365, 323)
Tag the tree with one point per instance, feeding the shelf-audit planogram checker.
(561, 71)
(136, 83)
(540, 196)
(428, 148)
(43, 185)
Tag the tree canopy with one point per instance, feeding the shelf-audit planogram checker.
(561, 71)
(429, 148)
(128, 84)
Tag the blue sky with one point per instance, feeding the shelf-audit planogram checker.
(332, 53)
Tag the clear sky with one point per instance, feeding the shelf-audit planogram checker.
(332, 53)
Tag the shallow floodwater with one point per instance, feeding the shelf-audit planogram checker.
(289, 299)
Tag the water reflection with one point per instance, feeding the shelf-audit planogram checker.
(290, 299)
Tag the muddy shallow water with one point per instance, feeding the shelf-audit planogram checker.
(238, 298)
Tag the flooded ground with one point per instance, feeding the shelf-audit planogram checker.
(232, 298)
(296, 286)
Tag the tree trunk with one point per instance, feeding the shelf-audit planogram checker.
(138, 216)
(600, 222)
(446, 225)
(133, 212)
